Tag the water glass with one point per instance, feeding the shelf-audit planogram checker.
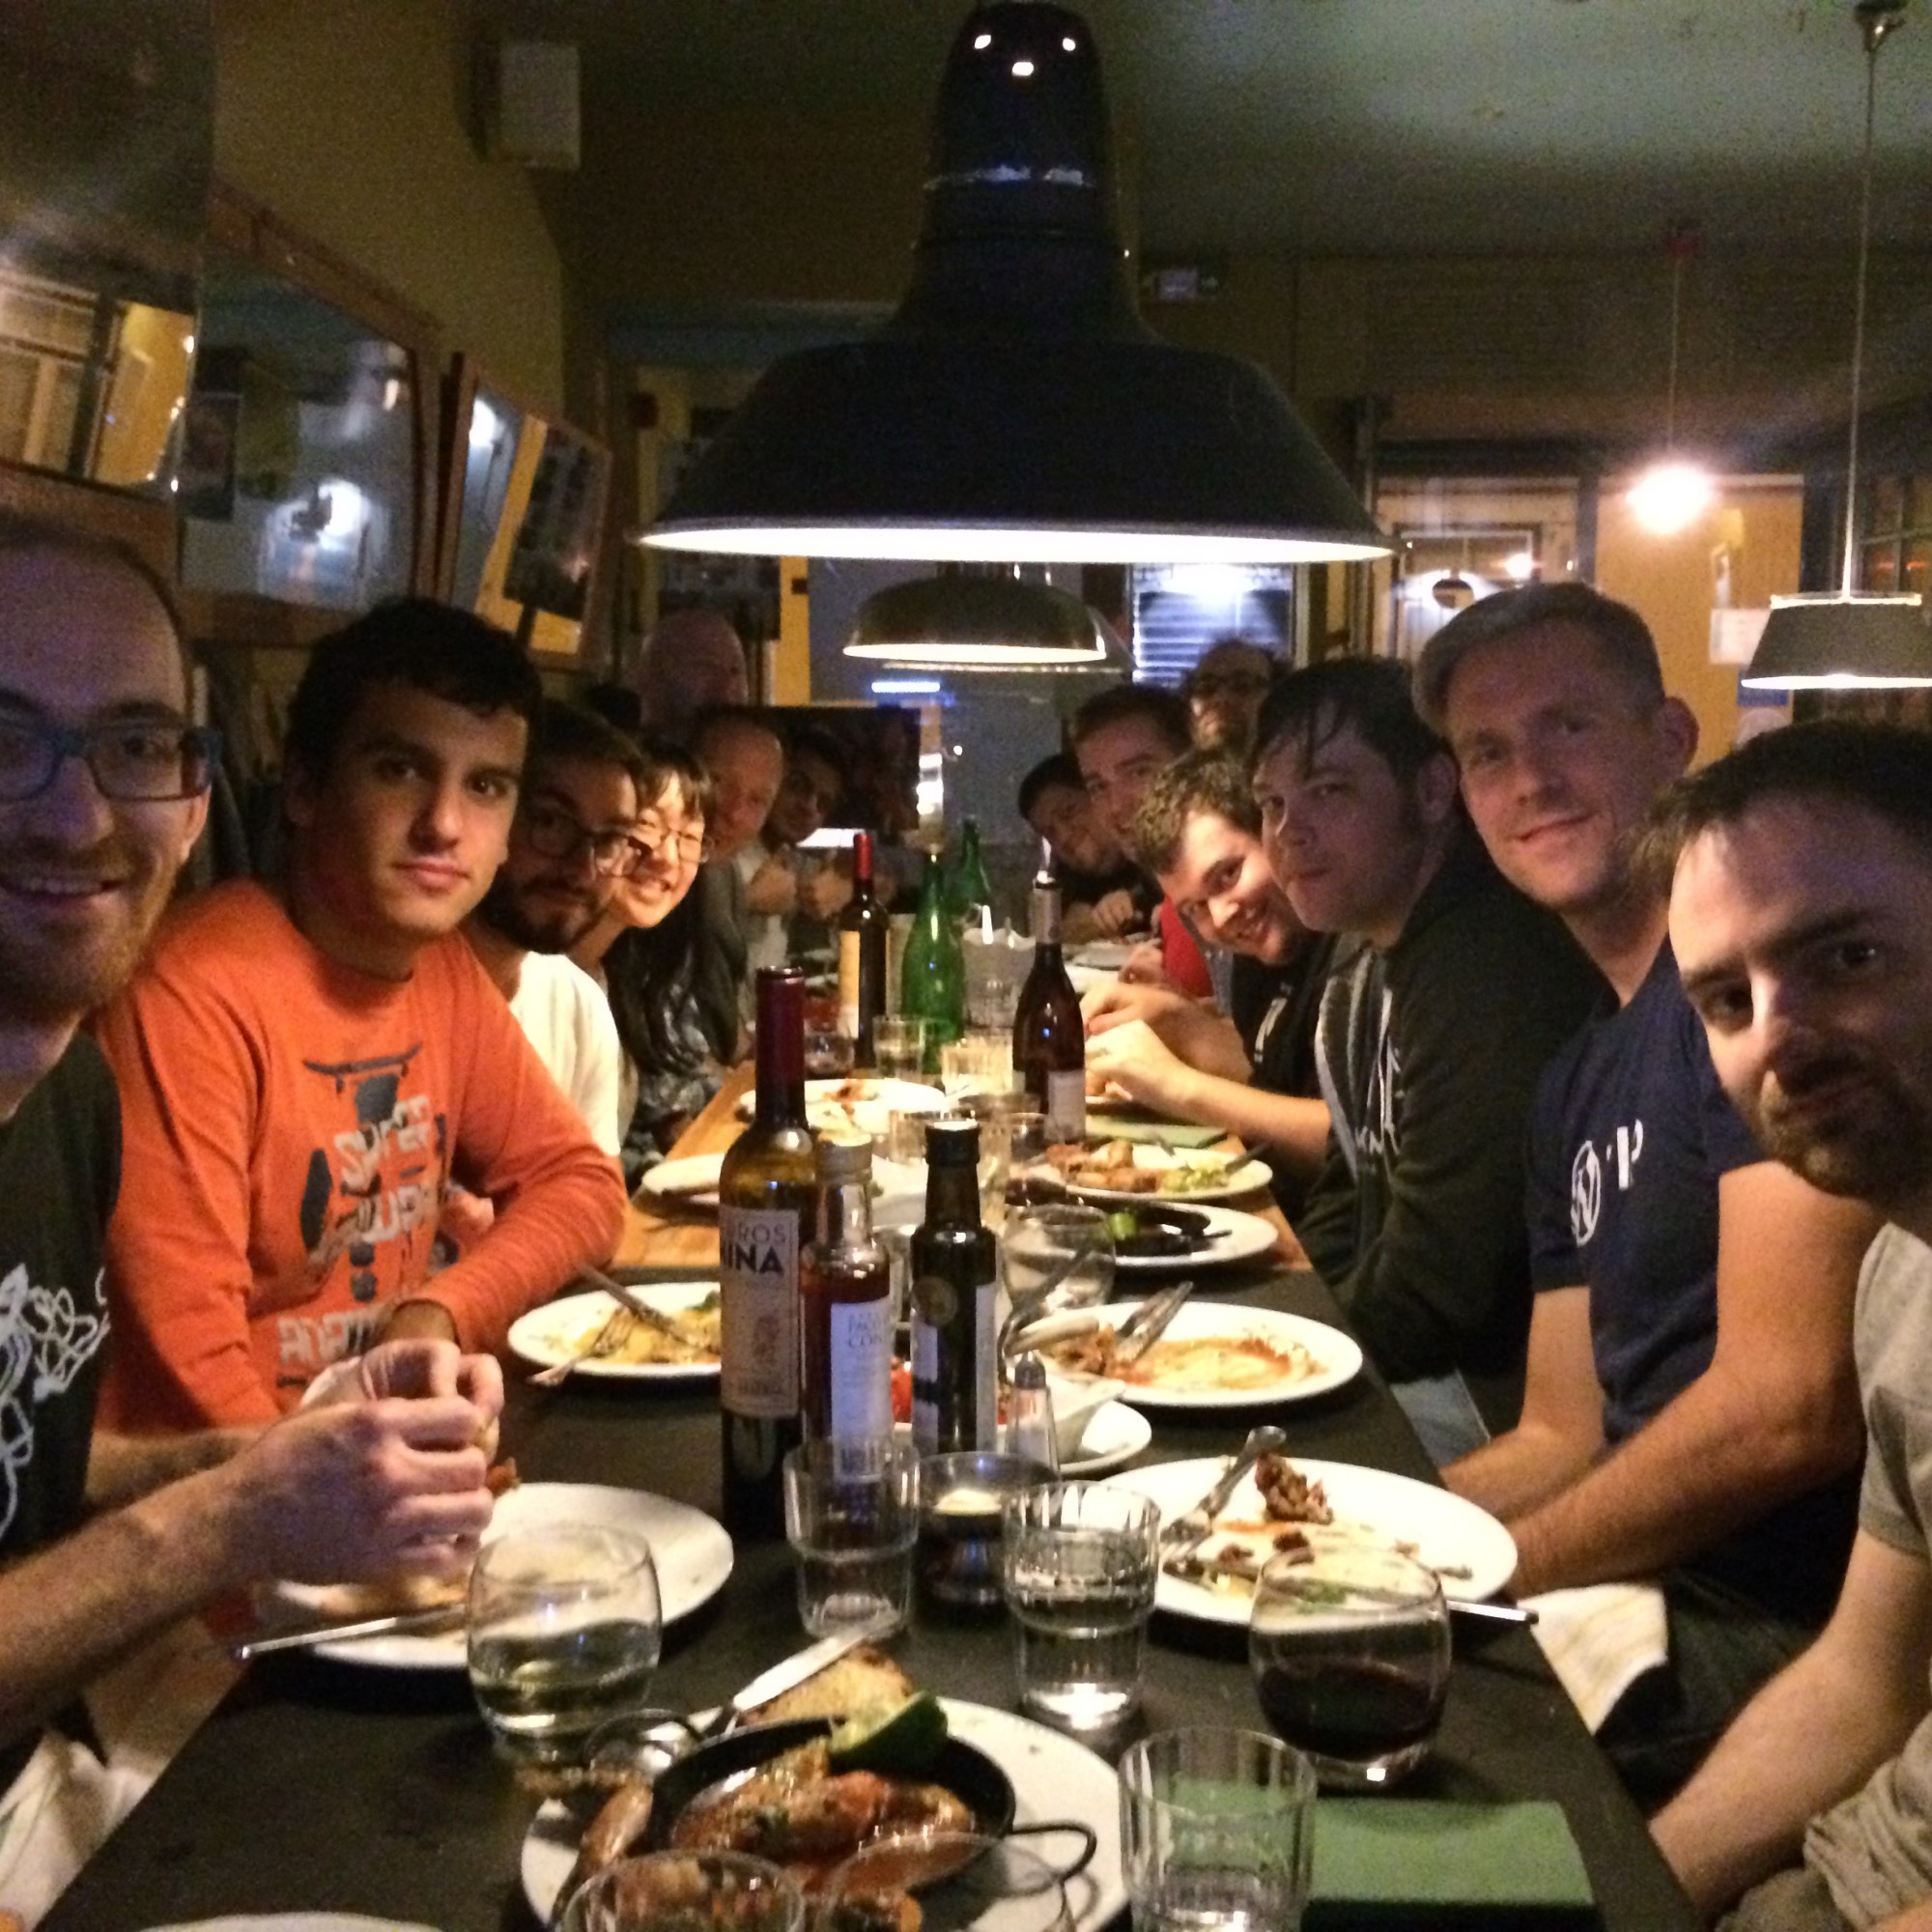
(852, 1517)
(565, 1624)
(1217, 1830)
(1077, 1567)
(1349, 1649)
(899, 1046)
(981, 1061)
(1057, 1255)
(990, 1882)
(687, 1892)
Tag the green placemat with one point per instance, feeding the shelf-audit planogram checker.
(1414, 1862)
(1138, 1127)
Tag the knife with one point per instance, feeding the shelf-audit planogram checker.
(781, 1677)
(628, 1298)
(402, 1623)
(1187, 1532)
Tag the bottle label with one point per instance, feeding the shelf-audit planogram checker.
(862, 1368)
(1065, 1107)
(758, 1312)
(848, 984)
(948, 1412)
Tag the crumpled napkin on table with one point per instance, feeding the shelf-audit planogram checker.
(1599, 1640)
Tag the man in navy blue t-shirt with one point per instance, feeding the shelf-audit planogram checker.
(1692, 1407)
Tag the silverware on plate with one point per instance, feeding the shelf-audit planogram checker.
(432, 1622)
(1149, 1322)
(1192, 1528)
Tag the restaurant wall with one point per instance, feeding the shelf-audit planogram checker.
(350, 123)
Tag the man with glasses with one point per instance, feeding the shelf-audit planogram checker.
(1225, 693)
(576, 835)
(308, 1069)
(107, 1541)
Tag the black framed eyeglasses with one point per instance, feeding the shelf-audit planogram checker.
(653, 835)
(557, 835)
(134, 761)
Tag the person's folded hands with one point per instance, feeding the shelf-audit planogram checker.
(1115, 913)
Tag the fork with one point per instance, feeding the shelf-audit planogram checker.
(602, 1342)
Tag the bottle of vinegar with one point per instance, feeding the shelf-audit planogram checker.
(846, 1314)
(953, 1345)
(1049, 1035)
(862, 959)
(767, 1199)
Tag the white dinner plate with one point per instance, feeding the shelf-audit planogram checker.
(1245, 1177)
(1338, 1358)
(876, 1100)
(1053, 1777)
(691, 1551)
(294, 1922)
(1235, 1237)
(1474, 1552)
(1101, 955)
(554, 1332)
(689, 1182)
(1114, 1434)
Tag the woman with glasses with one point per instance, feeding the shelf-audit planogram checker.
(645, 953)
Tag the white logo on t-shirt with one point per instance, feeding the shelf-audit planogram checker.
(1623, 1150)
(42, 1332)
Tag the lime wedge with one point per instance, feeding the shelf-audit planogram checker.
(903, 1737)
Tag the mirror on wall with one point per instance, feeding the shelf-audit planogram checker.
(301, 478)
(522, 515)
(106, 148)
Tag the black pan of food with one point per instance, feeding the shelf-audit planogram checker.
(1153, 1232)
(723, 1797)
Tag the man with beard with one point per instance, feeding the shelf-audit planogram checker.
(1428, 1046)
(1802, 920)
(1692, 1412)
(307, 1067)
(569, 843)
(1225, 693)
(107, 1541)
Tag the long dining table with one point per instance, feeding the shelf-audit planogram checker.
(321, 1786)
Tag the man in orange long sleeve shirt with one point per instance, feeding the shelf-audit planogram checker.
(305, 1070)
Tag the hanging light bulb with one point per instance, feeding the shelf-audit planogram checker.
(1671, 495)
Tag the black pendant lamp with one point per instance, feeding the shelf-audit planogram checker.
(1016, 408)
(1847, 640)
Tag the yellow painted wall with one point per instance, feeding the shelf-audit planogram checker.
(350, 121)
(1669, 580)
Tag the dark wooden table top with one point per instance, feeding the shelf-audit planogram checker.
(324, 1787)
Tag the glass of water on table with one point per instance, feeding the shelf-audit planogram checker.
(565, 1626)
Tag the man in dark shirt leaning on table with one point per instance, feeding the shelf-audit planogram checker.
(1428, 1045)
(1690, 1412)
(1102, 893)
(1252, 1073)
(1801, 919)
(102, 793)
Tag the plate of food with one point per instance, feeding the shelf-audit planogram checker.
(682, 1347)
(1132, 1171)
(690, 1181)
(1155, 1234)
(1215, 1356)
(691, 1551)
(1295, 1501)
(993, 1766)
(861, 1104)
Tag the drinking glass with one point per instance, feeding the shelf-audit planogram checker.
(988, 1882)
(899, 1046)
(1077, 1564)
(1031, 1180)
(981, 1061)
(565, 1624)
(685, 1892)
(828, 1053)
(852, 1517)
(1349, 1650)
(1217, 1830)
(1054, 1256)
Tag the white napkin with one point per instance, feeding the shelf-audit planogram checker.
(1599, 1641)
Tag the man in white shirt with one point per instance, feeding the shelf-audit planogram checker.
(569, 843)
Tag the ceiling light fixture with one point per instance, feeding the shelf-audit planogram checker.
(984, 618)
(1015, 408)
(1672, 494)
(1844, 641)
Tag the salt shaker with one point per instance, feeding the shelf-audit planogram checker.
(1030, 1415)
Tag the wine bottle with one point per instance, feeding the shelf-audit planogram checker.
(846, 1312)
(967, 889)
(862, 959)
(932, 975)
(767, 1196)
(954, 1347)
(1049, 1035)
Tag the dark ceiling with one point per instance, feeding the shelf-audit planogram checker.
(1369, 126)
